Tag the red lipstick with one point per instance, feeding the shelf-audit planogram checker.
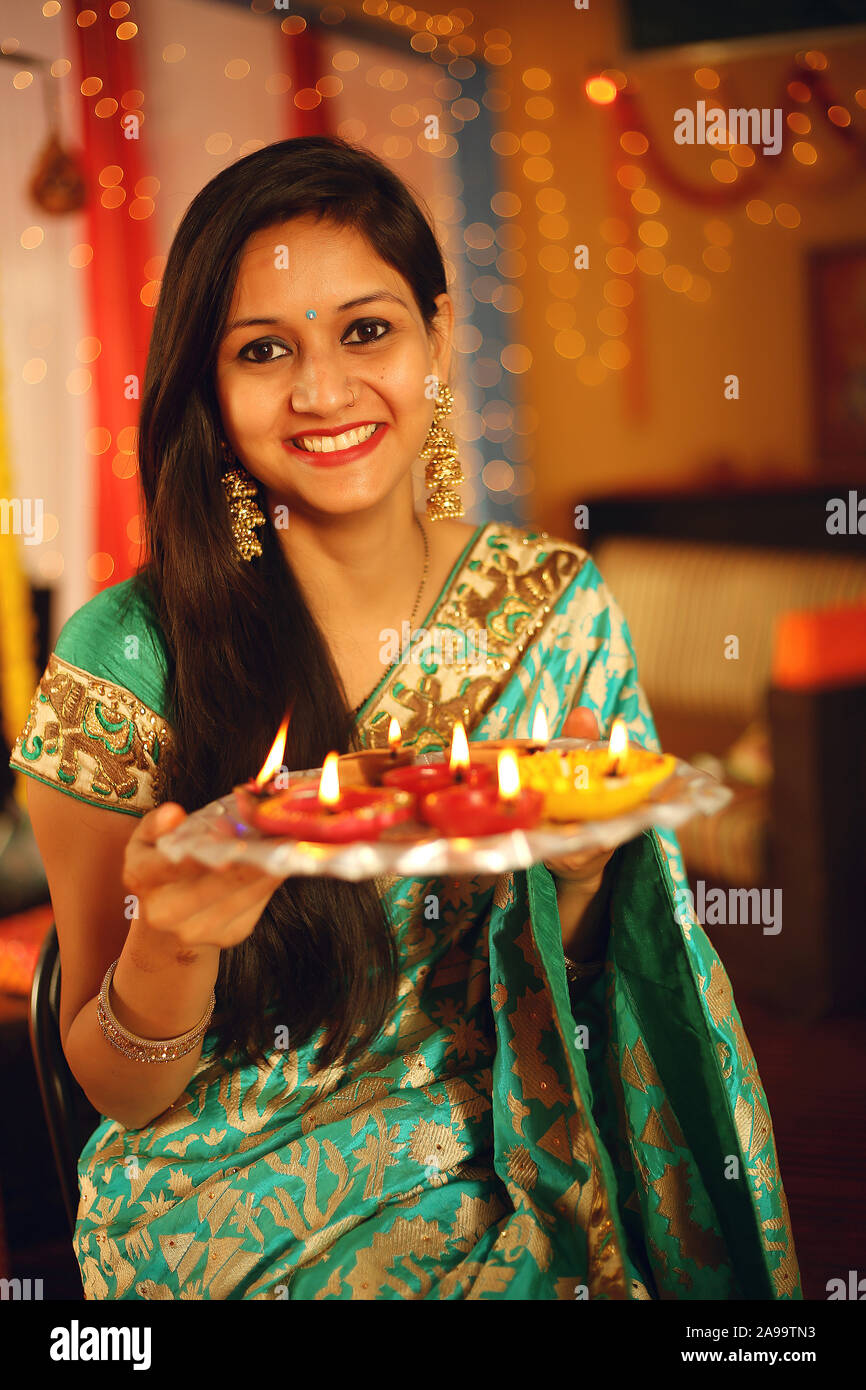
(335, 456)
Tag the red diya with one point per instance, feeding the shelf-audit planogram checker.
(485, 809)
(272, 778)
(422, 778)
(271, 800)
(326, 814)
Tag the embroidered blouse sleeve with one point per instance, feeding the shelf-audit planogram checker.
(96, 729)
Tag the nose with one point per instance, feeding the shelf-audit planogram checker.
(320, 387)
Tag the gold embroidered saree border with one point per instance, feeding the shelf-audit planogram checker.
(94, 740)
(503, 593)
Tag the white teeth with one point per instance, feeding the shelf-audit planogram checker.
(327, 443)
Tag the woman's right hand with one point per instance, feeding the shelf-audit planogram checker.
(197, 906)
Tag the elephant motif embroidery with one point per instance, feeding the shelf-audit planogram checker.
(516, 597)
(507, 589)
(79, 725)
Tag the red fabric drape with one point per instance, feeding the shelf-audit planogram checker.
(122, 245)
(305, 61)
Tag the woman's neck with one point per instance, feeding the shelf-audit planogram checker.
(362, 583)
(356, 568)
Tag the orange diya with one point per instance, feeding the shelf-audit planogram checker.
(368, 766)
(325, 813)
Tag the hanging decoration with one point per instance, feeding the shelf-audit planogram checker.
(804, 84)
(57, 185)
(634, 229)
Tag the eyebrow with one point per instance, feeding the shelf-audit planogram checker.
(350, 304)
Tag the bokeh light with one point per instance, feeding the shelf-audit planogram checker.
(600, 90)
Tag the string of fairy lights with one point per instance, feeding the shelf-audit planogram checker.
(636, 240)
(727, 161)
(597, 338)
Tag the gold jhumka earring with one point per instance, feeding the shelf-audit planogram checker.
(240, 490)
(443, 472)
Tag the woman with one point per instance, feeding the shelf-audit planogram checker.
(458, 1119)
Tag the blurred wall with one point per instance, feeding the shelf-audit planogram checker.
(662, 420)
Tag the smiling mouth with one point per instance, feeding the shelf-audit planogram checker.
(334, 443)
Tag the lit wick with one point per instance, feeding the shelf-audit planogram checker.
(509, 780)
(617, 750)
(329, 785)
(260, 787)
(540, 733)
(459, 759)
(395, 738)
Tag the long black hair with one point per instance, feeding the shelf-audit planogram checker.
(241, 644)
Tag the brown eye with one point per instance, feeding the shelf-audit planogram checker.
(260, 346)
(363, 324)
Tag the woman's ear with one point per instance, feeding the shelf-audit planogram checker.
(442, 332)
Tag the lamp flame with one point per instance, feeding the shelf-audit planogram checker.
(395, 733)
(459, 748)
(329, 782)
(509, 775)
(618, 748)
(274, 761)
(540, 729)
(600, 89)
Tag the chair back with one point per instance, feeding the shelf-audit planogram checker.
(70, 1117)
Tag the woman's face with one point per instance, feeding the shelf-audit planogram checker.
(288, 374)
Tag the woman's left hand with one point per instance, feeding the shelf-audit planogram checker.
(587, 866)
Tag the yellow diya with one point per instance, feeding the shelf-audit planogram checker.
(594, 783)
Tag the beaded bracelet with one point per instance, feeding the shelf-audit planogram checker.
(146, 1049)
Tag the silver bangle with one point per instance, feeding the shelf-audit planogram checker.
(146, 1049)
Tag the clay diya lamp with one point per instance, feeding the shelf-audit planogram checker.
(486, 751)
(421, 778)
(596, 783)
(367, 767)
(327, 814)
(272, 778)
(484, 809)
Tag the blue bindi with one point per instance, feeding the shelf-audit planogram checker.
(311, 313)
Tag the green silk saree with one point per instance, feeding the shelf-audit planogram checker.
(496, 1140)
